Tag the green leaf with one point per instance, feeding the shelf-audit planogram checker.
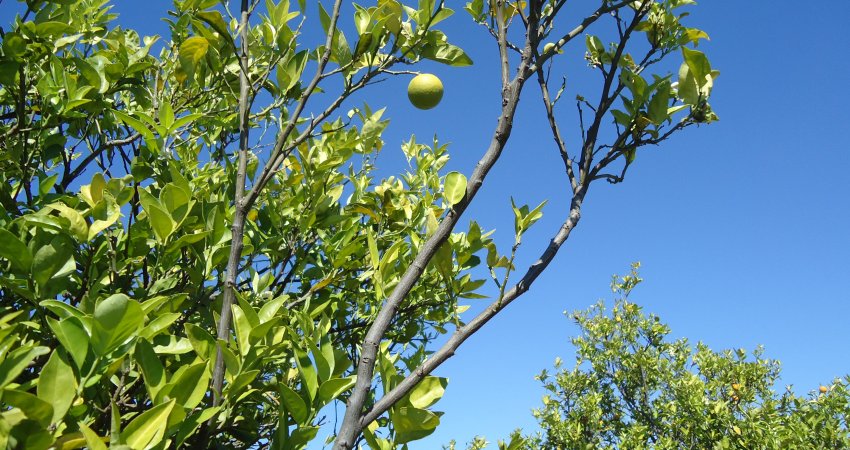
(688, 90)
(190, 385)
(192, 50)
(446, 53)
(243, 330)
(331, 389)
(698, 64)
(77, 225)
(73, 337)
(307, 372)
(269, 309)
(295, 405)
(93, 74)
(152, 370)
(161, 222)
(159, 325)
(93, 441)
(49, 259)
(412, 423)
(184, 120)
(202, 341)
(105, 213)
(657, 110)
(57, 385)
(116, 318)
(148, 428)
(166, 114)
(33, 407)
(136, 124)
(390, 12)
(428, 392)
(289, 74)
(15, 251)
(176, 201)
(454, 188)
(215, 20)
(192, 423)
(63, 310)
(18, 360)
(533, 216)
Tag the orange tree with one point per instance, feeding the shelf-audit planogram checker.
(195, 250)
(634, 387)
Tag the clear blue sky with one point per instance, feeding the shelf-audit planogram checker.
(738, 225)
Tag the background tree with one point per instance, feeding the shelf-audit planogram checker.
(196, 252)
(634, 387)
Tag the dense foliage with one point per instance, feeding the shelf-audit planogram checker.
(634, 387)
(154, 189)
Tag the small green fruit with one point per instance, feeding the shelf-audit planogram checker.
(425, 91)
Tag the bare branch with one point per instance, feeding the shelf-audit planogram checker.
(556, 132)
(501, 32)
(70, 177)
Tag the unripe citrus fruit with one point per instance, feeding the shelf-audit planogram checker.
(425, 91)
(252, 215)
(736, 386)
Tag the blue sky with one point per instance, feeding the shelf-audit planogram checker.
(738, 225)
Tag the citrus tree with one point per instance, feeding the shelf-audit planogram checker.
(195, 250)
(634, 387)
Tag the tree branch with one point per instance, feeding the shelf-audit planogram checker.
(556, 132)
(461, 334)
(237, 229)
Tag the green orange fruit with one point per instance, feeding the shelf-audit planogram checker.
(425, 91)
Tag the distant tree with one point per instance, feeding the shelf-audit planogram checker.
(195, 250)
(634, 388)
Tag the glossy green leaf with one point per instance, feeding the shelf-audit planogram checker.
(49, 259)
(57, 385)
(295, 405)
(93, 441)
(136, 124)
(116, 318)
(657, 109)
(308, 372)
(77, 224)
(33, 407)
(192, 423)
(17, 360)
(73, 337)
(243, 330)
(333, 388)
(192, 50)
(412, 423)
(151, 367)
(148, 428)
(189, 387)
(202, 341)
(454, 188)
(698, 64)
(15, 251)
(428, 392)
(215, 20)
